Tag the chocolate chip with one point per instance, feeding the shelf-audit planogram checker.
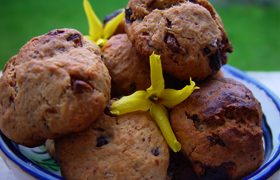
(12, 99)
(111, 16)
(172, 43)
(99, 129)
(128, 14)
(196, 121)
(145, 33)
(80, 86)
(55, 32)
(101, 141)
(207, 51)
(155, 151)
(216, 60)
(51, 110)
(192, 1)
(215, 139)
(76, 38)
(168, 23)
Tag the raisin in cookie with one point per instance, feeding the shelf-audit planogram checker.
(129, 70)
(125, 147)
(57, 84)
(189, 35)
(219, 127)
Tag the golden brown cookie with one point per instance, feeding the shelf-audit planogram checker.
(57, 84)
(219, 127)
(125, 147)
(188, 35)
(129, 70)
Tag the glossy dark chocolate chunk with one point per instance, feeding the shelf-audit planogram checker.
(192, 1)
(207, 51)
(155, 151)
(216, 60)
(55, 32)
(215, 139)
(168, 23)
(80, 86)
(128, 14)
(101, 141)
(76, 38)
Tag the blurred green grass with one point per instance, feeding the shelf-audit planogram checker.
(253, 30)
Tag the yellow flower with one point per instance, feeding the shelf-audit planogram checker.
(155, 99)
(98, 33)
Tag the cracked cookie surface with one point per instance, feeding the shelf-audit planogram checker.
(189, 36)
(219, 127)
(124, 147)
(57, 84)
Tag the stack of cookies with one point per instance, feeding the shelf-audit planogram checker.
(59, 84)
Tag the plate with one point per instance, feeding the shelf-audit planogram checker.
(37, 162)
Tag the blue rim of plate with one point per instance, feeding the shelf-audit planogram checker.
(266, 170)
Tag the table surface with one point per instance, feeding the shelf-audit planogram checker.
(269, 79)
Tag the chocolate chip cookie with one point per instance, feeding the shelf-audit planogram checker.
(219, 127)
(124, 147)
(189, 35)
(57, 84)
(129, 70)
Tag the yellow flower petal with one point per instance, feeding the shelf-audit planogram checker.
(101, 42)
(112, 25)
(134, 102)
(95, 26)
(172, 97)
(159, 114)
(157, 81)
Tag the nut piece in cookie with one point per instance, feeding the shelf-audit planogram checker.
(57, 84)
(125, 147)
(189, 35)
(129, 70)
(219, 127)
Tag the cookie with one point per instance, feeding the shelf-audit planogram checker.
(57, 84)
(189, 36)
(124, 147)
(219, 127)
(129, 70)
